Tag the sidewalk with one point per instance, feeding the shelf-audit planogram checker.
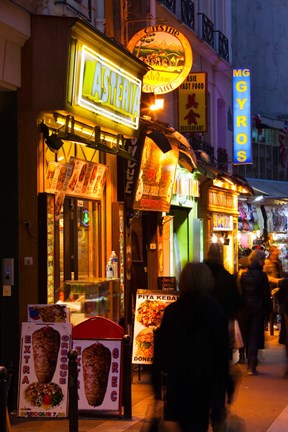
(261, 401)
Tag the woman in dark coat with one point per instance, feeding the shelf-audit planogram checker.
(282, 297)
(255, 290)
(191, 348)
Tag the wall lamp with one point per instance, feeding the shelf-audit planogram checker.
(161, 140)
(53, 141)
(89, 136)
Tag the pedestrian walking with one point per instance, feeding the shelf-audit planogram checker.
(191, 348)
(274, 270)
(255, 291)
(226, 292)
(282, 297)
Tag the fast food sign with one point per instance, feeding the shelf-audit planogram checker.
(167, 52)
(242, 152)
(193, 103)
(43, 372)
(150, 307)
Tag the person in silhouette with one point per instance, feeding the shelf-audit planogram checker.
(191, 350)
(255, 290)
(226, 292)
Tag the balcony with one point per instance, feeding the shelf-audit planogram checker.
(206, 29)
(169, 4)
(188, 13)
(221, 45)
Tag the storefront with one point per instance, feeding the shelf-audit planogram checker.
(263, 219)
(160, 190)
(78, 105)
(219, 210)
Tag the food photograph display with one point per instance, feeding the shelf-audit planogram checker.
(99, 374)
(43, 371)
(149, 310)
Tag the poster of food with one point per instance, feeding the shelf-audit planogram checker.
(154, 187)
(47, 313)
(78, 178)
(99, 374)
(43, 372)
(87, 179)
(149, 311)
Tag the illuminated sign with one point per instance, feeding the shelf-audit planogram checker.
(167, 52)
(242, 117)
(154, 187)
(192, 103)
(108, 90)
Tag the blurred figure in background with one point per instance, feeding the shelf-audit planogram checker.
(282, 297)
(255, 290)
(226, 292)
(274, 270)
(191, 348)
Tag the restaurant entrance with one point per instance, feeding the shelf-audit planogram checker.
(79, 240)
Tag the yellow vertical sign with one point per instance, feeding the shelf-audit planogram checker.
(192, 103)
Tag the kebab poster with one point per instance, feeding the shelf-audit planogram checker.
(149, 311)
(156, 178)
(79, 177)
(43, 374)
(99, 372)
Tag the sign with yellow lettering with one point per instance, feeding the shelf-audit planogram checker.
(242, 153)
(169, 54)
(108, 90)
(192, 103)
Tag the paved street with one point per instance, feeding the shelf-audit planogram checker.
(260, 401)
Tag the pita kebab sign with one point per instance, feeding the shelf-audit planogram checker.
(167, 52)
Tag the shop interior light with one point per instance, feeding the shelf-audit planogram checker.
(258, 198)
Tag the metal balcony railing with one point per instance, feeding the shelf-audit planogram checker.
(221, 45)
(188, 13)
(169, 4)
(206, 29)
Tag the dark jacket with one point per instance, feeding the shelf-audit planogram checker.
(225, 289)
(255, 290)
(192, 340)
(282, 297)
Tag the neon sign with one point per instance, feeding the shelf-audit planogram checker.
(108, 90)
(242, 153)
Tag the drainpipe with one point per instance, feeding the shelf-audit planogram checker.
(100, 15)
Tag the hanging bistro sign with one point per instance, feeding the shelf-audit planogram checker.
(167, 52)
(242, 153)
(193, 103)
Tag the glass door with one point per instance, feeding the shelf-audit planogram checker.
(79, 237)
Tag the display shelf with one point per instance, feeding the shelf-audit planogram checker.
(85, 299)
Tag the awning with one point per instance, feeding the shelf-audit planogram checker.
(163, 136)
(241, 183)
(269, 188)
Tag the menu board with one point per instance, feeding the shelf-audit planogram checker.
(78, 178)
(99, 368)
(87, 179)
(43, 373)
(154, 187)
(149, 311)
(167, 283)
(47, 313)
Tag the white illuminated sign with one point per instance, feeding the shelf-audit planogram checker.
(108, 90)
